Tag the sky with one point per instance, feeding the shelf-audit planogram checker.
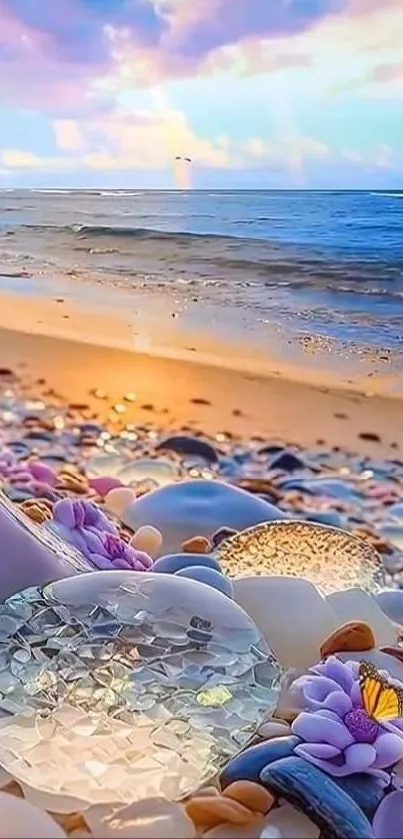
(258, 93)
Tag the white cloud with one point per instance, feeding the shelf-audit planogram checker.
(68, 135)
(17, 159)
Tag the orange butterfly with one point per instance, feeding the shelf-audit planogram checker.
(382, 700)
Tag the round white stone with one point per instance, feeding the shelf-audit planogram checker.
(148, 539)
(118, 499)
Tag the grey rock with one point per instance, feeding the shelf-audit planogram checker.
(197, 508)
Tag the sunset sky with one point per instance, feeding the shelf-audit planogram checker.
(259, 93)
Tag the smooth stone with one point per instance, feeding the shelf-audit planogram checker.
(381, 660)
(117, 500)
(209, 577)
(353, 636)
(248, 765)
(42, 472)
(209, 812)
(151, 818)
(272, 728)
(393, 533)
(291, 614)
(30, 555)
(290, 824)
(391, 603)
(197, 545)
(330, 518)
(250, 794)
(318, 796)
(364, 790)
(189, 508)
(388, 821)
(221, 534)
(172, 563)
(163, 472)
(147, 539)
(104, 484)
(354, 604)
(104, 465)
(22, 820)
(288, 462)
(232, 831)
(182, 444)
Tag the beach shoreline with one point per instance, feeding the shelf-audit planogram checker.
(93, 359)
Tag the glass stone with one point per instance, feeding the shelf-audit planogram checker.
(120, 686)
(330, 558)
(161, 471)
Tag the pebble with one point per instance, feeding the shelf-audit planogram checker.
(289, 823)
(271, 601)
(172, 563)
(287, 462)
(357, 605)
(161, 471)
(197, 545)
(22, 820)
(209, 577)
(269, 730)
(104, 484)
(248, 765)
(147, 539)
(208, 812)
(300, 783)
(118, 500)
(182, 444)
(391, 603)
(250, 794)
(353, 636)
(200, 507)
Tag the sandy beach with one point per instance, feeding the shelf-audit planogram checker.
(55, 346)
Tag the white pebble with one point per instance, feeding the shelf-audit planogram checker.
(147, 538)
(21, 820)
(118, 499)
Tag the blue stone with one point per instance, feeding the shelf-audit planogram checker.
(172, 563)
(248, 765)
(183, 444)
(365, 790)
(208, 576)
(305, 786)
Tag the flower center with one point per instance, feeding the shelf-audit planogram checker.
(361, 726)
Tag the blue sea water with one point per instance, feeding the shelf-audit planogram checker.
(316, 262)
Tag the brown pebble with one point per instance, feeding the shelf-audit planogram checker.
(251, 795)
(354, 636)
(208, 812)
(370, 436)
(197, 545)
(199, 401)
(36, 511)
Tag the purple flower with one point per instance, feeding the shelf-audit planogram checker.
(114, 553)
(84, 525)
(339, 736)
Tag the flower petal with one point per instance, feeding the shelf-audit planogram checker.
(314, 728)
(341, 672)
(320, 750)
(388, 819)
(389, 750)
(360, 756)
(338, 702)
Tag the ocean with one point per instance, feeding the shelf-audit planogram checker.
(317, 263)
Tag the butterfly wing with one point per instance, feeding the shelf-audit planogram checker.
(382, 701)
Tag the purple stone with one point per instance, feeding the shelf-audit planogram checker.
(361, 726)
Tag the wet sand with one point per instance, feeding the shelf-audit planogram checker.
(91, 359)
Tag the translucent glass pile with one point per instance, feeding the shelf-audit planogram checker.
(117, 686)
